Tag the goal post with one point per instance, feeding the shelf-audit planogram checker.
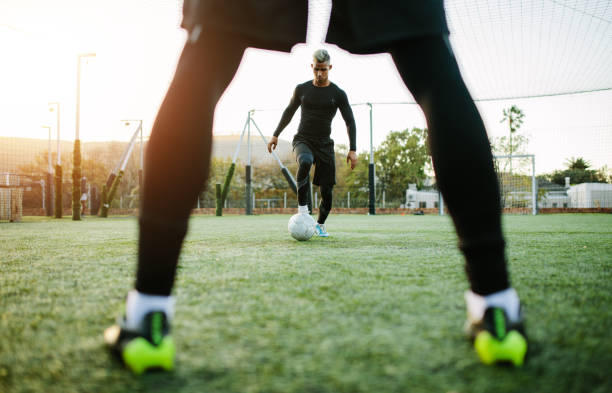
(222, 190)
(517, 183)
(114, 179)
(11, 203)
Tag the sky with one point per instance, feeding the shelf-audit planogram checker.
(524, 48)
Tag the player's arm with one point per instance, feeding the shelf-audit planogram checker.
(351, 129)
(288, 113)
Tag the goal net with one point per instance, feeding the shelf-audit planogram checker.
(517, 183)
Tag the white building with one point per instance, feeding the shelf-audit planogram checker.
(416, 199)
(555, 199)
(590, 195)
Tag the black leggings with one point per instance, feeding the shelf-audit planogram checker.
(326, 203)
(178, 156)
(461, 156)
(305, 161)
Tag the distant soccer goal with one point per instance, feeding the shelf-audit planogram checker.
(517, 183)
(11, 198)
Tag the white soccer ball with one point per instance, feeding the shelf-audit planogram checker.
(301, 226)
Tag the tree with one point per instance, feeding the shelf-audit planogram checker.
(356, 181)
(514, 117)
(577, 163)
(269, 182)
(218, 170)
(506, 146)
(578, 171)
(400, 160)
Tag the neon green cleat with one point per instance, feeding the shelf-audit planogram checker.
(149, 348)
(498, 341)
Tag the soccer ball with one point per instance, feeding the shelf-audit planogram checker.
(301, 226)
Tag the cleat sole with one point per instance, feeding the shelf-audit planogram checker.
(491, 350)
(140, 355)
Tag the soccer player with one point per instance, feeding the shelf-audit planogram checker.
(320, 99)
(416, 35)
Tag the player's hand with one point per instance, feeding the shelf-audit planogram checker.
(272, 144)
(351, 159)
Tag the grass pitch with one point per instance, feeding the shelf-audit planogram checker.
(378, 307)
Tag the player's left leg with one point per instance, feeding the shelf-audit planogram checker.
(324, 208)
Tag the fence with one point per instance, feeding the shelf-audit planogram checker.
(46, 189)
(44, 174)
(29, 188)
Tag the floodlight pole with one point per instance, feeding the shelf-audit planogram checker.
(249, 190)
(58, 166)
(76, 167)
(48, 149)
(47, 198)
(534, 187)
(371, 173)
(140, 174)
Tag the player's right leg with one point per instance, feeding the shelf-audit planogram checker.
(463, 161)
(305, 159)
(176, 167)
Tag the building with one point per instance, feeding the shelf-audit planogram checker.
(590, 195)
(552, 195)
(416, 199)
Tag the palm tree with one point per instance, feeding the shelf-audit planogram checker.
(514, 116)
(578, 163)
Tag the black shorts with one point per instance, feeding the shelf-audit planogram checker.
(359, 26)
(324, 158)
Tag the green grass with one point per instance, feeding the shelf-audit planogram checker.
(378, 307)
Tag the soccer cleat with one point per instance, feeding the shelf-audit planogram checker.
(497, 340)
(151, 347)
(321, 231)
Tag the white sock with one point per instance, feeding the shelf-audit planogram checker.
(139, 304)
(507, 300)
(303, 210)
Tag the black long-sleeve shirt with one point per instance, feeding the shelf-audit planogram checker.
(319, 106)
